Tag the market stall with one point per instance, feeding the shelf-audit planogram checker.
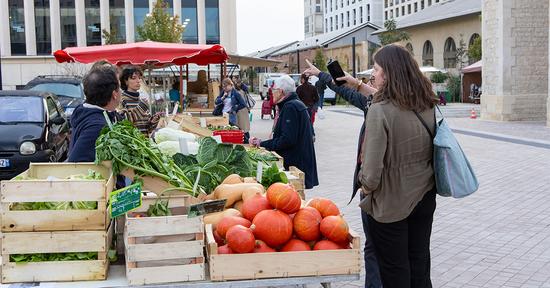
(198, 212)
(150, 55)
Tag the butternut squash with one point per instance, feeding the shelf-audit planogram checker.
(238, 205)
(215, 218)
(250, 192)
(233, 179)
(234, 192)
(250, 180)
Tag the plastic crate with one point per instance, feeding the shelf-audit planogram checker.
(231, 136)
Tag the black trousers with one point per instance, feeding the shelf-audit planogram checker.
(403, 247)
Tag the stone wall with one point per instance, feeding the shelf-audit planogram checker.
(515, 60)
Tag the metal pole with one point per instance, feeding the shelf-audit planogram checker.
(298, 60)
(353, 56)
(181, 87)
(1, 68)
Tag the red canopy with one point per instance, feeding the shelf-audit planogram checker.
(148, 52)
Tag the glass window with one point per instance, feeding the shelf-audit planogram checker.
(52, 108)
(342, 19)
(61, 89)
(17, 27)
(415, 6)
(68, 23)
(212, 22)
(326, 25)
(42, 23)
(368, 12)
(116, 17)
(427, 54)
(336, 17)
(449, 54)
(189, 16)
(354, 17)
(402, 10)
(409, 9)
(361, 13)
(21, 109)
(348, 17)
(93, 23)
(331, 24)
(169, 7)
(141, 9)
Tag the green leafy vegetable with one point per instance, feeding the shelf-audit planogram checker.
(126, 147)
(159, 208)
(42, 257)
(273, 175)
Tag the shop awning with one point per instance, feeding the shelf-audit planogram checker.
(145, 53)
(252, 61)
(476, 67)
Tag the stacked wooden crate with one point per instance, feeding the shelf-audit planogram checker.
(164, 249)
(56, 231)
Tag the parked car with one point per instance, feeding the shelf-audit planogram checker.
(34, 128)
(68, 89)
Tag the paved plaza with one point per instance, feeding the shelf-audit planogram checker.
(498, 237)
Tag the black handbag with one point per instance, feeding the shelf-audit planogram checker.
(218, 110)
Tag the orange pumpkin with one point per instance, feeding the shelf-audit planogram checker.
(325, 206)
(224, 249)
(254, 205)
(306, 224)
(335, 228)
(295, 245)
(284, 197)
(217, 237)
(326, 245)
(273, 227)
(240, 239)
(230, 221)
(261, 247)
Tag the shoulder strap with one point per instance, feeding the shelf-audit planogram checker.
(424, 124)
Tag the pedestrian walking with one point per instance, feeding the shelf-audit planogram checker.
(233, 104)
(397, 176)
(360, 96)
(308, 94)
(292, 132)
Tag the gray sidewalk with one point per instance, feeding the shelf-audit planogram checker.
(498, 237)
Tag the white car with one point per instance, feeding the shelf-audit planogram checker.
(329, 95)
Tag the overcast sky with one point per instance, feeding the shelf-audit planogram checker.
(265, 23)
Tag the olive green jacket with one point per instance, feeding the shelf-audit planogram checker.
(397, 159)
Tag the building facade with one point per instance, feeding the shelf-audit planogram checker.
(515, 60)
(31, 30)
(336, 45)
(313, 18)
(395, 9)
(343, 14)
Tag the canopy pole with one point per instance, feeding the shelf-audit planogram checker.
(187, 80)
(181, 87)
(208, 71)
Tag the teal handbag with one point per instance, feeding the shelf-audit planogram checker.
(454, 176)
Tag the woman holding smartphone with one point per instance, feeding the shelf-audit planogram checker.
(358, 94)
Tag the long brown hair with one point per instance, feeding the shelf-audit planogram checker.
(405, 85)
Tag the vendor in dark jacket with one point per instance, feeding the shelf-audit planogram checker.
(292, 133)
(359, 95)
(102, 90)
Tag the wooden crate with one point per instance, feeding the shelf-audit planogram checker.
(164, 249)
(210, 120)
(282, 264)
(55, 242)
(297, 179)
(44, 190)
(177, 203)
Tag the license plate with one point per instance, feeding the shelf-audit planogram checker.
(4, 163)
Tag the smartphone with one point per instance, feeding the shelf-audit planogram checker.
(336, 71)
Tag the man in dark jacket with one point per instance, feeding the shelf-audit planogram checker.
(293, 133)
(308, 94)
(102, 90)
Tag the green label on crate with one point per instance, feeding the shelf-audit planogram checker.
(124, 200)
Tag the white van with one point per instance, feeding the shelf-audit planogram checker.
(265, 81)
(329, 95)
